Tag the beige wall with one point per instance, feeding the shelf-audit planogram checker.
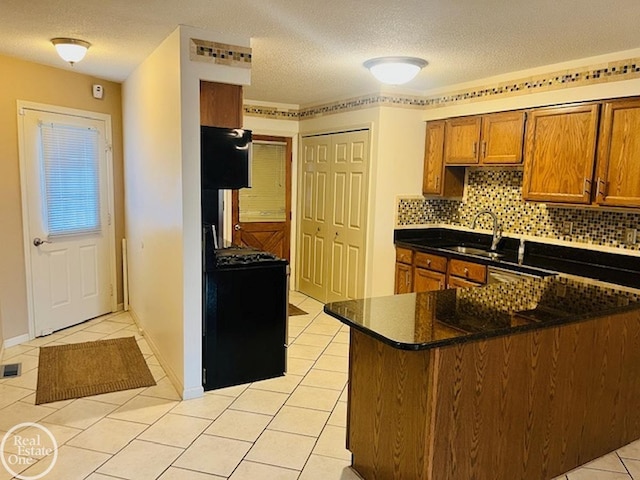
(153, 202)
(22, 80)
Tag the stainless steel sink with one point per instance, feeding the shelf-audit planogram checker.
(474, 251)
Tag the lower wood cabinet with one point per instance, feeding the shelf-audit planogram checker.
(469, 271)
(456, 282)
(404, 278)
(426, 280)
(424, 272)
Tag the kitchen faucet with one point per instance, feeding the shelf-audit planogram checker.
(497, 229)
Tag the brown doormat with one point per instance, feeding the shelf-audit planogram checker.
(90, 368)
(293, 310)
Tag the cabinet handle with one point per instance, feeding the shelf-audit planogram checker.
(475, 148)
(466, 272)
(484, 149)
(437, 182)
(587, 185)
(428, 262)
(601, 184)
(406, 278)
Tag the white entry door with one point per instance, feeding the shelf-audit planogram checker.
(67, 219)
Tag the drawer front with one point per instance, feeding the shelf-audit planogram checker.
(431, 262)
(468, 270)
(404, 255)
(455, 282)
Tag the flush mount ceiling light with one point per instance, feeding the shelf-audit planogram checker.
(70, 49)
(395, 70)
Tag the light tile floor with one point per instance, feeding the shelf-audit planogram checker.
(292, 427)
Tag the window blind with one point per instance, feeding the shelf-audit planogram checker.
(265, 200)
(70, 179)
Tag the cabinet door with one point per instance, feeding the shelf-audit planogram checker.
(618, 181)
(404, 278)
(560, 154)
(433, 159)
(455, 282)
(426, 280)
(502, 138)
(462, 136)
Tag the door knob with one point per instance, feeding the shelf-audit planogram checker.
(38, 241)
(237, 227)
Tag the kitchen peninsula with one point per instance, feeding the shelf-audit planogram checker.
(523, 380)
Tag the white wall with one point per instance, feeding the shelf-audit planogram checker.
(277, 128)
(153, 202)
(191, 74)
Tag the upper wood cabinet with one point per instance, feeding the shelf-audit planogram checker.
(618, 171)
(560, 153)
(502, 138)
(220, 105)
(462, 138)
(494, 139)
(438, 180)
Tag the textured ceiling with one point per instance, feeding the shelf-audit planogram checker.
(310, 52)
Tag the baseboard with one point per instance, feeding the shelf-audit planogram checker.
(171, 375)
(194, 392)
(12, 342)
(120, 307)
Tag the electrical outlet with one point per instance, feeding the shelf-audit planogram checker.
(567, 227)
(630, 236)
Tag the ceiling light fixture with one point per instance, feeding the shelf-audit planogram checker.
(70, 49)
(395, 70)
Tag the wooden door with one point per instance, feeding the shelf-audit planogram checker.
(313, 193)
(502, 138)
(426, 280)
(462, 136)
(262, 214)
(347, 215)
(404, 278)
(618, 180)
(560, 154)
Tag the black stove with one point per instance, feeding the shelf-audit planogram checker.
(237, 256)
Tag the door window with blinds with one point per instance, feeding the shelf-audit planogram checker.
(265, 201)
(70, 179)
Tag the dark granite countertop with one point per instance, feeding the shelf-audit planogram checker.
(540, 258)
(418, 321)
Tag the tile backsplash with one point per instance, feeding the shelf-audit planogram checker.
(500, 191)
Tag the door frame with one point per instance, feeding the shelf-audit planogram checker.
(235, 197)
(26, 238)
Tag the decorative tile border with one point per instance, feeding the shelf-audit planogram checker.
(610, 72)
(501, 192)
(220, 53)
